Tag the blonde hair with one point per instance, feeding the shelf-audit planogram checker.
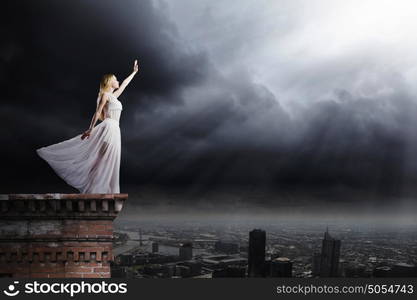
(103, 87)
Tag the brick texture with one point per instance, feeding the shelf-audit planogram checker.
(57, 235)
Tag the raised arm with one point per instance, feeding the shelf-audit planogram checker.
(125, 82)
(96, 116)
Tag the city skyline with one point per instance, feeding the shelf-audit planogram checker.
(277, 250)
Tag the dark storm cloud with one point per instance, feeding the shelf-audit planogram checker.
(195, 115)
(361, 143)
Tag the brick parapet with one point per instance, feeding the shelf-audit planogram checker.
(57, 235)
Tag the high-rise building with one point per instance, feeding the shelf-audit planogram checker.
(186, 251)
(281, 267)
(315, 264)
(330, 253)
(256, 253)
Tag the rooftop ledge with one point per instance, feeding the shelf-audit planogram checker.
(61, 196)
(61, 206)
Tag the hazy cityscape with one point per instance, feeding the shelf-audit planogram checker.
(262, 248)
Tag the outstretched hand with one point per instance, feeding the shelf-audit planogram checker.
(86, 134)
(135, 66)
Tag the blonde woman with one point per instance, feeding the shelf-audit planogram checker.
(90, 162)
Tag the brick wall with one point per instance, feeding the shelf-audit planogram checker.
(57, 235)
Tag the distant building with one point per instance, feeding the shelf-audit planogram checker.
(154, 258)
(281, 267)
(330, 253)
(355, 270)
(170, 269)
(256, 253)
(342, 268)
(217, 262)
(230, 271)
(397, 270)
(182, 271)
(156, 270)
(266, 270)
(404, 270)
(186, 251)
(226, 247)
(124, 259)
(155, 247)
(315, 264)
(194, 267)
(118, 272)
(382, 271)
(140, 237)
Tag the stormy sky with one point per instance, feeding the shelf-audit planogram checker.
(302, 96)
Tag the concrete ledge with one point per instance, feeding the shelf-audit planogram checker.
(61, 206)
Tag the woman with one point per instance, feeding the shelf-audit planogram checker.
(91, 162)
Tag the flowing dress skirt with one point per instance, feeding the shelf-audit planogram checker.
(91, 165)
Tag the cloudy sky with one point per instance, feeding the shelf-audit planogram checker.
(293, 95)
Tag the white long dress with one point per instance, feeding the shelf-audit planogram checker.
(91, 165)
